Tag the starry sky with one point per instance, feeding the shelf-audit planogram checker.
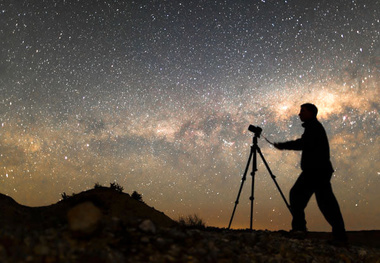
(157, 96)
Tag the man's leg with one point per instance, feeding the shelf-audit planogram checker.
(299, 197)
(329, 207)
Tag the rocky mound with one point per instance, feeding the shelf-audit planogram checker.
(109, 202)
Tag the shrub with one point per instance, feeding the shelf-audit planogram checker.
(66, 196)
(191, 221)
(136, 196)
(97, 185)
(116, 187)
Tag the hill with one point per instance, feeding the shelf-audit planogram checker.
(111, 203)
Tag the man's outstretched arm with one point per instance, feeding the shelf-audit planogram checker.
(290, 145)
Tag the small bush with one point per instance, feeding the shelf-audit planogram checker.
(136, 196)
(66, 196)
(192, 221)
(116, 187)
(97, 185)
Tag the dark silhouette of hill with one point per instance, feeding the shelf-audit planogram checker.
(111, 203)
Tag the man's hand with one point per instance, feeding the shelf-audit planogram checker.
(278, 145)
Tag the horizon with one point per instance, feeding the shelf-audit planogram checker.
(158, 98)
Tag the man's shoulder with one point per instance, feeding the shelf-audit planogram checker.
(314, 127)
(314, 123)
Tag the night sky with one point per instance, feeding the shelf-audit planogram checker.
(157, 96)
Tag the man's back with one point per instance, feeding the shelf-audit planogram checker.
(315, 148)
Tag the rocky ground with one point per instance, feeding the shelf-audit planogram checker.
(91, 231)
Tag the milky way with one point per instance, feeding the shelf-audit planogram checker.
(157, 97)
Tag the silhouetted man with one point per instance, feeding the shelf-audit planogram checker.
(316, 174)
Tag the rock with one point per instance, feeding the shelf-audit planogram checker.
(84, 219)
(147, 226)
(3, 254)
(42, 250)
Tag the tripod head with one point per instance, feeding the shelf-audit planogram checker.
(256, 130)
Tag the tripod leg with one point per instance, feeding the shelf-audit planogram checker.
(274, 179)
(241, 186)
(254, 169)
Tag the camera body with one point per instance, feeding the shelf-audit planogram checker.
(255, 129)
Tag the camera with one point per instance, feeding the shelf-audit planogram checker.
(255, 129)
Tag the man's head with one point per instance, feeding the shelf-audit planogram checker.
(308, 112)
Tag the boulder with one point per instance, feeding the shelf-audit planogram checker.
(84, 219)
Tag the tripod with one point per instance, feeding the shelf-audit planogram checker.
(253, 156)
